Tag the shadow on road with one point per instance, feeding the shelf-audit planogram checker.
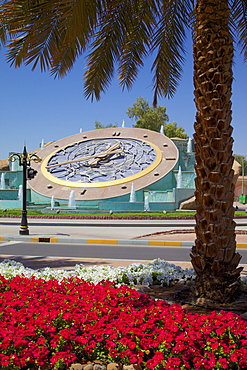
(54, 263)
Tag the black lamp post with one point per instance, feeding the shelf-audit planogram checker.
(24, 161)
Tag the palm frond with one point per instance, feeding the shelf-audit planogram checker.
(3, 28)
(53, 32)
(136, 43)
(77, 27)
(238, 21)
(169, 43)
(105, 50)
(3, 36)
(123, 38)
(27, 29)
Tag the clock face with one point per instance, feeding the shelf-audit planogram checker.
(103, 163)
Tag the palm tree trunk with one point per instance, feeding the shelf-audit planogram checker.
(214, 256)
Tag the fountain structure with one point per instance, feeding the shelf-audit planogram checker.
(165, 192)
(52, 203)
(146, 204)
(71, 203)
(20, 193)
(2, 181)
(189, 146)
(132, 194)
(179, 179)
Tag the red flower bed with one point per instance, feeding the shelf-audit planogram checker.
(46, 322)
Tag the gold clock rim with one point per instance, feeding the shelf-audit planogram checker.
(86, 185)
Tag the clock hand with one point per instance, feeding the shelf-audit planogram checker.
(111, 150)
(101, 156)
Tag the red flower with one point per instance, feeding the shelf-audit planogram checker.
(223, 363)
(58, 323)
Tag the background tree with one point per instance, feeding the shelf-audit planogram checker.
(99, 125)
(152, 118)
(122, 33)
(171, 129)
(242, 160)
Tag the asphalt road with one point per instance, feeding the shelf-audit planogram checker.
(132, 252)
(94, 251)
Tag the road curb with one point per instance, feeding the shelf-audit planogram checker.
(157, 243)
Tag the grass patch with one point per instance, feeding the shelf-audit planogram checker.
(18, 212)
(113, 215)
(105, 214)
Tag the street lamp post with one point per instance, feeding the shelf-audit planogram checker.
(243, 170)
(24, 161)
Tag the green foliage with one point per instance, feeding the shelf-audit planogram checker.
(242, 160)
(147, 117)
(152, 118)
(99, 125)
(173, 130)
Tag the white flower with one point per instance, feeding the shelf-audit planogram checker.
(156, 272)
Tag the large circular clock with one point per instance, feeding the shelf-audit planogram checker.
(103, 163)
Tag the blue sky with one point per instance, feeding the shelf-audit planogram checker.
(35, 107)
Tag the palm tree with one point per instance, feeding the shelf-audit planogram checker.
(214, 255)
(53, 33)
